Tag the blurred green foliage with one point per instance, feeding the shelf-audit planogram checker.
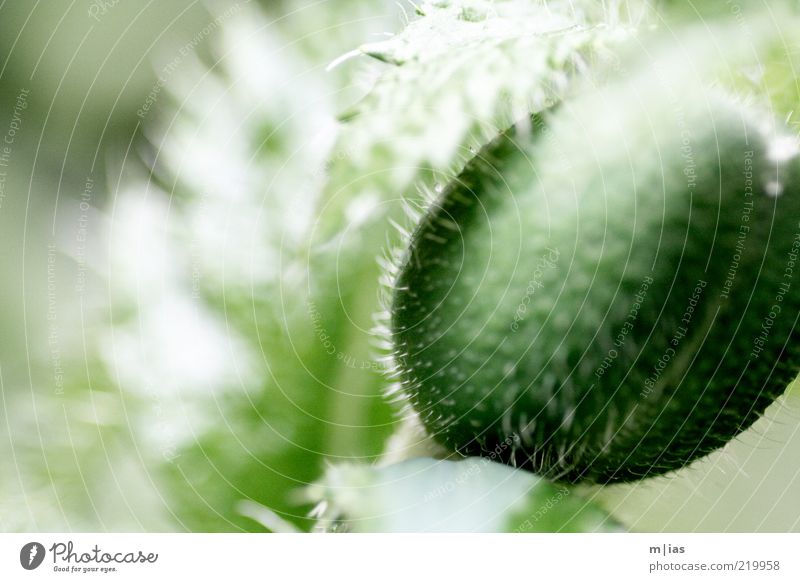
(188, 334)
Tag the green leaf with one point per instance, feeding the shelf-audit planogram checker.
(268, 374)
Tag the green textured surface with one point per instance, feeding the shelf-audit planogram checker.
(636, 183)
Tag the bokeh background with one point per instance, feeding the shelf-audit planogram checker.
(187, 328)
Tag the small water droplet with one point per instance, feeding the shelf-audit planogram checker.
(783, 148)
(438, 188)
(773, 189)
